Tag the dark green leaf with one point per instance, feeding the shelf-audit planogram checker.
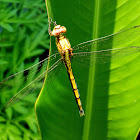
(7, 27)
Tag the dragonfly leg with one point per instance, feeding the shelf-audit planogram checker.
(70, 52)
(50, 21)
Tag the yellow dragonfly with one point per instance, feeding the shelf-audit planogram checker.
(81, 52)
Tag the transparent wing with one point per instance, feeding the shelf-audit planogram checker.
(21, 84)
(104, 53)
(104, 56)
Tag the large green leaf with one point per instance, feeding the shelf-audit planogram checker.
(109, 92)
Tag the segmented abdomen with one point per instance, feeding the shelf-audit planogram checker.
(67, 64)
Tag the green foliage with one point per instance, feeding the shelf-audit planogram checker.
(23, 37)
(109, 92)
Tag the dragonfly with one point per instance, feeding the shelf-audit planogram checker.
(83, 52)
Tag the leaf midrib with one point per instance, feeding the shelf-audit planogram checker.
(90, 89)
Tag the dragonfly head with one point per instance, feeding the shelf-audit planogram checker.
(58, 30)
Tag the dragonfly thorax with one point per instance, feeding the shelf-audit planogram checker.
(63, 44)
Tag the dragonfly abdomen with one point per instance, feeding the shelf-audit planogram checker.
(67, 63)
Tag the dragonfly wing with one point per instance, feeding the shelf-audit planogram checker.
(104, 56)
(103, 47)
(115, 40)
(24, 82)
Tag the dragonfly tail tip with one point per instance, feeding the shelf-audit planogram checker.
(81, 113)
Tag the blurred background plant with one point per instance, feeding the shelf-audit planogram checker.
(23, 40)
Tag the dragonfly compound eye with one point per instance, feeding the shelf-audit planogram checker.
(63, 29)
